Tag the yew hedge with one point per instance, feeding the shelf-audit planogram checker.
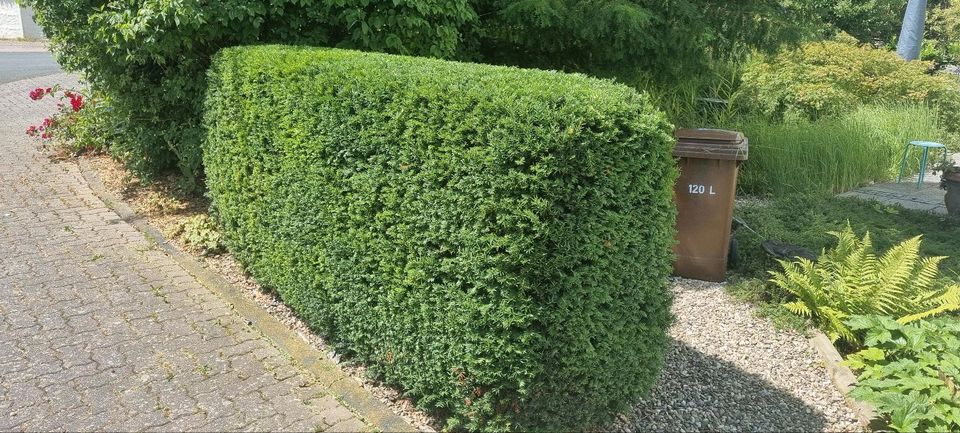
(494, 241)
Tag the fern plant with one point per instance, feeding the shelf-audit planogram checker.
(851, 279)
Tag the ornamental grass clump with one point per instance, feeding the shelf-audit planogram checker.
(836, 154)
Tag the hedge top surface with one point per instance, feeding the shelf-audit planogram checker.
(493, 240)
(520, 81)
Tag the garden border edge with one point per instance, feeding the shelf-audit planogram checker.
(843, 379)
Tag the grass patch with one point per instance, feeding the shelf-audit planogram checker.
(805, 220)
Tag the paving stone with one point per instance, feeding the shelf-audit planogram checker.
(928, 197)
(349, 425)
(336, 414)
(101, 333)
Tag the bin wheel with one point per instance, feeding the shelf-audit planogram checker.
(733, 255)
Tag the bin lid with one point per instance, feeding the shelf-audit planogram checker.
(711, 144)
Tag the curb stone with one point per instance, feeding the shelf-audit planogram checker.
(340, 385)
(844, 379)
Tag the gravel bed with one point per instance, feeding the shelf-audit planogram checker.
(729, 370)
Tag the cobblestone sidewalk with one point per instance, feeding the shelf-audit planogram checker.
(99, 330)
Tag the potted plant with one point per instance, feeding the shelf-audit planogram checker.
(950, 181)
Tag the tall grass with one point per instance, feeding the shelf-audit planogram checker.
(836, 154)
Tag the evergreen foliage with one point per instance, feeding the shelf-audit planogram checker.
(495, 241)
(663, 38)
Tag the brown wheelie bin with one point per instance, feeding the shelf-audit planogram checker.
(704, 193)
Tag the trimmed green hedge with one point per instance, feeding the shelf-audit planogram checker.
(493, 240)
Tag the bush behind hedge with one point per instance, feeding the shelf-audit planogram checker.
(829, 78)
(148, 58)
(495, 241)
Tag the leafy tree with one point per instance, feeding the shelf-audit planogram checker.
(866, 20)
(943, 24)
(880, 21)
(662, 37)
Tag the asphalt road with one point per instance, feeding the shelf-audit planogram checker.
(19, 66)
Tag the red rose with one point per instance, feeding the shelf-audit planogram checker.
(36, 94)
(76, 101)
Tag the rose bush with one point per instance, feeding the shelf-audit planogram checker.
(75, 126)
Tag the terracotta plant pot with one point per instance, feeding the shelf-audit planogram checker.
(951, 182)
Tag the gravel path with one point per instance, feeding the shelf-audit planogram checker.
(729, 370)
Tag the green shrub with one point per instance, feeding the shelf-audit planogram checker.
(910, 373)
(833, 155)
(495, 241)
(94, 128)
(851, 279)
(829, 78)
